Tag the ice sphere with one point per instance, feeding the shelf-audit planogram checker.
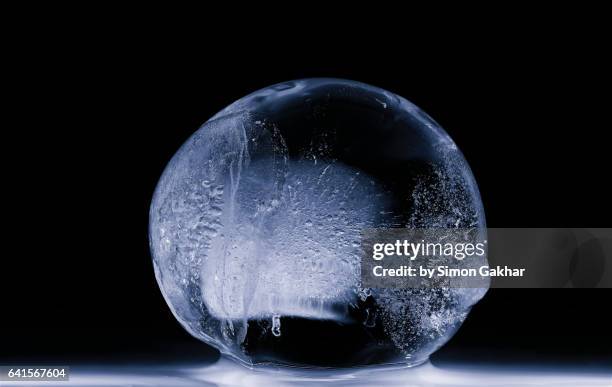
(255, 226)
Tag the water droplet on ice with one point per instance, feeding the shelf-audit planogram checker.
(276, 325)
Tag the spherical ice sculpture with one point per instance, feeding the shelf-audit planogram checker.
(255, 226)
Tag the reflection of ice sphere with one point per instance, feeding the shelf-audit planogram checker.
(255, 226)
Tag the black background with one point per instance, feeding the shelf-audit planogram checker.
(99, 117)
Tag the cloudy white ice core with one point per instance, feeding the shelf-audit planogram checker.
(294, 252)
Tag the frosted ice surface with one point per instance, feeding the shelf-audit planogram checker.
(255, 225)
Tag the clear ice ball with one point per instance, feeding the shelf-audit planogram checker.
(255, 226)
